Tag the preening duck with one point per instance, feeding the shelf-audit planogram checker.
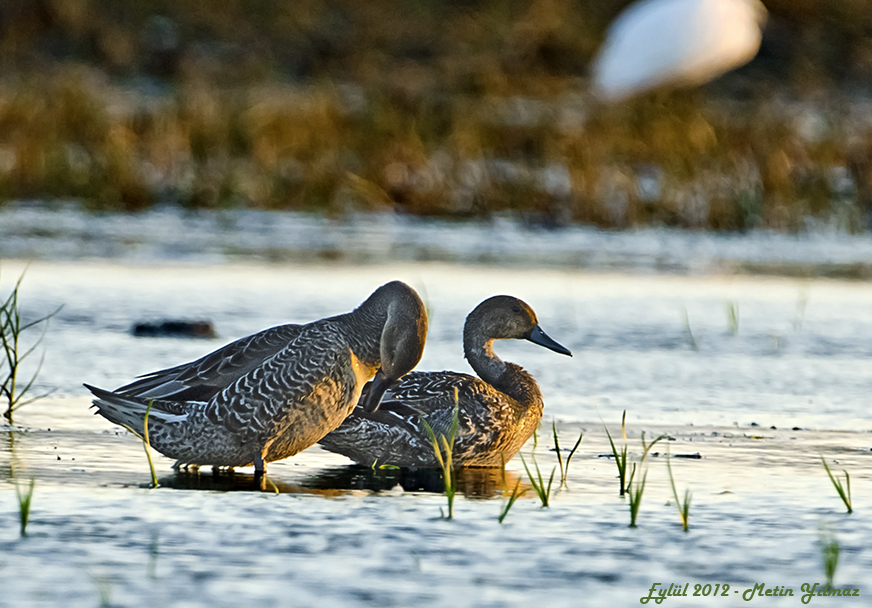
(272, 394)
(498, 411)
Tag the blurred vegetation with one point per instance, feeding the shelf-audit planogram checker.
(457, 108)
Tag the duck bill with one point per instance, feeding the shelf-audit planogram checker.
(537, 336)
(374, 391)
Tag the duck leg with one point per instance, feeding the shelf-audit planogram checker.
(259, 465)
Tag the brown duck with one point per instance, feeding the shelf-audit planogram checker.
(272, 394)
(498, 411)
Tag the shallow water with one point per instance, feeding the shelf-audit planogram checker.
(35, 230)
(340, 535)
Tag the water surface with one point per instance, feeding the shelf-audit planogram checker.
(757, 402)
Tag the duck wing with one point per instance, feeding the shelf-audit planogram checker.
(304, 386)
(283, 405)
(396, 434)
(430, 397)
(204, 378)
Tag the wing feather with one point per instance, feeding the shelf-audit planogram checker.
(203, 379)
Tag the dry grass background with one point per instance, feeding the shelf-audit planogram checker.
(459, 108)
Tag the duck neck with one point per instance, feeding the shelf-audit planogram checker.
(389, 329)
(364, 327)
(508, 378)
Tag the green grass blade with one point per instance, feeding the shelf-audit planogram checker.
(559, 455)
(538, 471)
(455, 419)
(529, 475)
(538, 482)
(573, 450)
(434, 442)
(446, 461)
(147, 445)
(683, 507)
(620, 462)
(848, 483)
(635, 496)
(504, 483)
(550, 481)
(844, 494)
(516, 494)
(536, 487)
(564, 465)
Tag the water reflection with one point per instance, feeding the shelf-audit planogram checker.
(220, 480)
(7, 445)
(335, 481)
(471, 482)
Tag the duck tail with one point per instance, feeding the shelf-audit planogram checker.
(129, 412)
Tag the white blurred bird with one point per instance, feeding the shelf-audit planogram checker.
(655, 43)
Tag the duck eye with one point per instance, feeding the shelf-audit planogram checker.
(516, 309)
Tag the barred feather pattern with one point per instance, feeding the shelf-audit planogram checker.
(272, 394)
(202, 379)
(492, 425)
(498, 411)
(279, 408)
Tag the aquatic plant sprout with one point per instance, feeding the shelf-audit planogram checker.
(542, 491)
(11, 329)
(843, 490)
(620, 457)
(564, 469)
(443, 455)
(517, 492)
(635, 492)
(683, 506)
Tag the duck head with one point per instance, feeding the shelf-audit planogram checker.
(506, 317)
(402, 338)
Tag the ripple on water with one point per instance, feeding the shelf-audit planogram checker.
(340, 535)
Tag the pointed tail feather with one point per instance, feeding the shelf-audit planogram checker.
(129, 412)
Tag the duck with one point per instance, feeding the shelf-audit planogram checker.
(498, 411)
(272, 394)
